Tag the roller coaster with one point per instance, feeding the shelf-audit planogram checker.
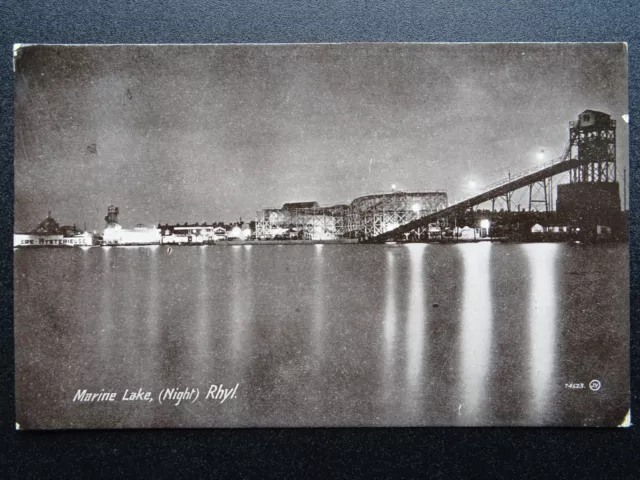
(365, 217)
(584, 177)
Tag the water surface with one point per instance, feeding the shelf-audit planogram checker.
(331, 335)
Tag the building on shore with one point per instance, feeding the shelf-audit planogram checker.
(191, 233)
(114, 234)
(196, 233)
(50, 233)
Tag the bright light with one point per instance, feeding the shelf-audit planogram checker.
(472, 184)
(625, 117)
(540, 155)
(484, 223)
(415, 207)
(236, 232)
(393, 187)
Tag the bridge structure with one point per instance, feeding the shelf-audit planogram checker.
(584, 178)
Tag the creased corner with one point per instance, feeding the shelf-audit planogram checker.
(626, 423)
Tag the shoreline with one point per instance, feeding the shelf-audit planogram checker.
(329, 242)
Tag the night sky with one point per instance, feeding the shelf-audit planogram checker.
(214, 133)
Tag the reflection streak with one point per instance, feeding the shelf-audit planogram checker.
(319, 306)
(390, 324)
(106, 306)
(153, 304)
(416, 322)
(204, 322)
(238, 321)
(542, 320)
(477, 319)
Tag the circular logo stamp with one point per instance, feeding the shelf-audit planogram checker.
(595, 385)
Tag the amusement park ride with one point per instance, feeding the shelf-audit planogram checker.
(587, 194)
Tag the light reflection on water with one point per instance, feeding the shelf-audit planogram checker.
(390, 320)
(239, 302)
(105, 327)
(416, 325)
(150, 316)
(320, 303)
(542, 322)
(477, 318)
(205, 319)
(320, 335)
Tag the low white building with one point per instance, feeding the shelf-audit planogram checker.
(466, 233)
(191, 233)
(238, 233)
(31, 240)
(49, 233)
(114, 234)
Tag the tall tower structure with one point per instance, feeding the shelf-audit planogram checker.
(112, 215)
(593, 195)
(593, 140)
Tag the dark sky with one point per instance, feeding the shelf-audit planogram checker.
(208, 133)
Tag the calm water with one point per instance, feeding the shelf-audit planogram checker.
(335, 335)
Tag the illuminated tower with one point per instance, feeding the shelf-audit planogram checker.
(112, 215)
(593, 196)
(593, 140)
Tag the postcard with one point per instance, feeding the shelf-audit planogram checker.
(321, 235)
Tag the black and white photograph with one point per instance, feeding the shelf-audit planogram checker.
(321, 235)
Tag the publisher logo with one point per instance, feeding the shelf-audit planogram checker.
(595, 385)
